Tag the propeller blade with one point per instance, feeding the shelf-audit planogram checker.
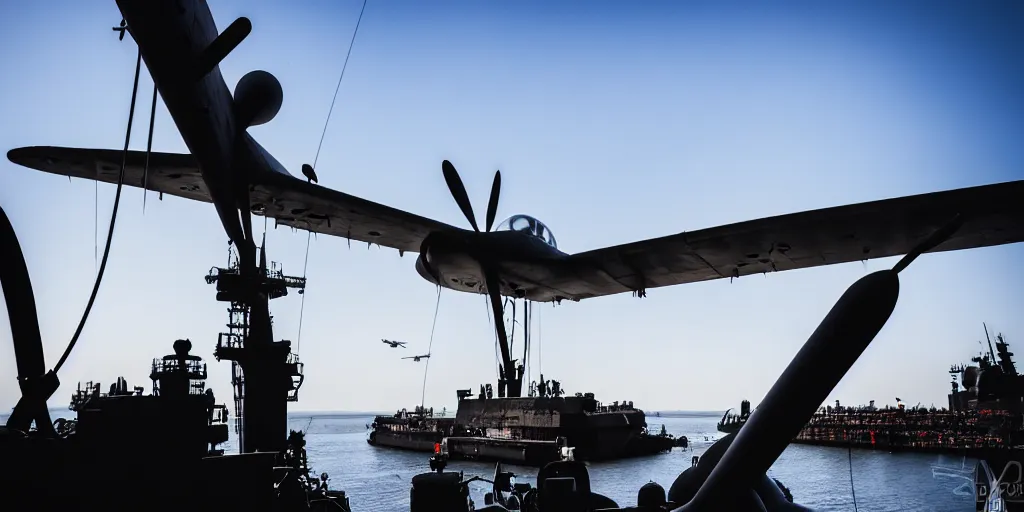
(263, 254)
(494, 293)
(122, 28)
(458, 190)
(37, 384)
(492, 204)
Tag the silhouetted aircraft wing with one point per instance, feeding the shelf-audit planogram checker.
(170, 173)
(992, 215)
(291, 201)
(297, 203)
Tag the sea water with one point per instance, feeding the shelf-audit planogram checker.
(378, 479)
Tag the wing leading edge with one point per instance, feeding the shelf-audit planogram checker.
(296, 203)
(992, 215)
(291, 201)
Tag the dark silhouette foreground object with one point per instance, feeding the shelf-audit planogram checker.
(162, 444)
(37, 385)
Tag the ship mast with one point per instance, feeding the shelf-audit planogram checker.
(266, 374)
(991, 351)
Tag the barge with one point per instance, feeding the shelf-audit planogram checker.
(419, 430)
(524, 430)
(529, 430)
(984, 415)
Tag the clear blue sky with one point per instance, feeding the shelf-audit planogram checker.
(612, 123)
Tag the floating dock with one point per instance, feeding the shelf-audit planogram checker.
(525, 430)
(984, 415)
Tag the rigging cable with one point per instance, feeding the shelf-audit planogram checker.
(96, 226)
(430, 345)
(849, 453)
(338, 87)
(526, 341)
(512, 335)
(113, 218)
(302, 301)
(540, 338)
(149, 149)
(302, 306)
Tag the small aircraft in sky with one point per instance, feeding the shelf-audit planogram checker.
(416, 359)
(520, 258)
(394, 344)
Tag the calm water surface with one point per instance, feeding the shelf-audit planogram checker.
(378, 479)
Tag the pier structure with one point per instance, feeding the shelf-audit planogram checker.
(898, 428)
(985, 414)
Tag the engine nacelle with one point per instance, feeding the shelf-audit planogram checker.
(258, 97)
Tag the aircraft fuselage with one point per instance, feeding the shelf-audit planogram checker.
(182, 49)
(180, 44)
(456, 260)
(171, 37)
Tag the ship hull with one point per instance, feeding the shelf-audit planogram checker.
(647, 445)
(412, 441)
(526, 453)
(527, 431)
(729, 428)
(517, 451)
(510, 451)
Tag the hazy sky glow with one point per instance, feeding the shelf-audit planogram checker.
(611, 124)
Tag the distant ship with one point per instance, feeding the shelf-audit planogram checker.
(419, 430)
(732, 422)
(529, 430)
